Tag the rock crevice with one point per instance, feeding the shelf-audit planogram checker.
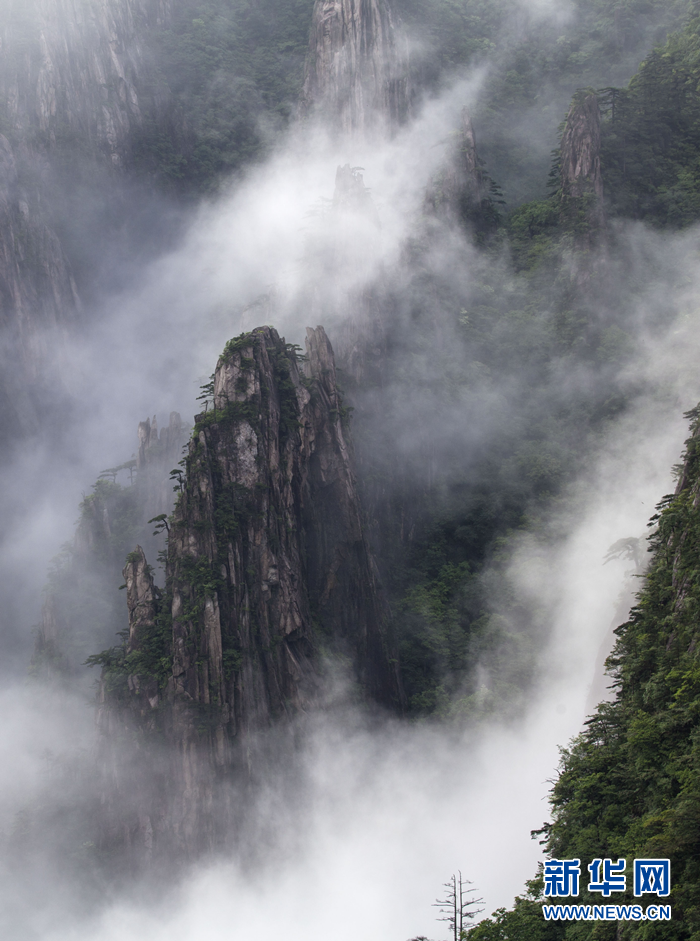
(357, 67)
(268, 575)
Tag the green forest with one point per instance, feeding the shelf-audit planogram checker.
(628, 786)
(522, 314)
(543, 294)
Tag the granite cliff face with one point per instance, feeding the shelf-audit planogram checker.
(462, 192)
(268, 572)
(581, 176)
(38, 295)
(75, 69)
(357, 68)
(76, 82)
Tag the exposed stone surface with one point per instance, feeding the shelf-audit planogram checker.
(357, 68)
(76, 82)
(140, 598)
(38, 296)
(267, 567)
(582, 212)
(76, 69)
(581, 176)
(462, 186)
(271, 504)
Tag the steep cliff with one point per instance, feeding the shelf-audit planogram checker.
(356, 73)
(74, 70)
(581, 176)
(268, 574)
(76, 82)
(38, 296)
(463, 192)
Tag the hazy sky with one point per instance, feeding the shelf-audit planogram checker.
(388, 813)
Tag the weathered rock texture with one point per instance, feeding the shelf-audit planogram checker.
(140, 599)
(357, 67)
(267, 568)
(38, 296)
(581, 176)
(76, 83)
(462, 188)
(78, 70)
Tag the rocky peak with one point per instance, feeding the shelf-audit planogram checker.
(267, 566)
(140, 598)
(155, 448)
(582, 213)
(270, 503)
(356, 69)
(581, 176)
(461, 191)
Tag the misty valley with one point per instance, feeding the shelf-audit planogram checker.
(350, 469)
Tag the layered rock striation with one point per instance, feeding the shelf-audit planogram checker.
(38, 295)
(356, 73)
(79, 70)
(76, 83)
(268, 575)
(581, 175)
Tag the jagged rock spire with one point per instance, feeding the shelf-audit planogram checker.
(582, 213)
(270, 503)
(140, 598)
(356, 69)
(581, 176)
(267, 567)
(462, 187)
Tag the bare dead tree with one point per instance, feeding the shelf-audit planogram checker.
(457, 907)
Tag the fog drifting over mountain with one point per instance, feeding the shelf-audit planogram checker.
(382, 813)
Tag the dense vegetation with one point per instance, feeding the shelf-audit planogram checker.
(447, 527)
(652, 136)
(233, 71)
(443, 536)
(629, 785)
(537, 64)
(533, 323)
